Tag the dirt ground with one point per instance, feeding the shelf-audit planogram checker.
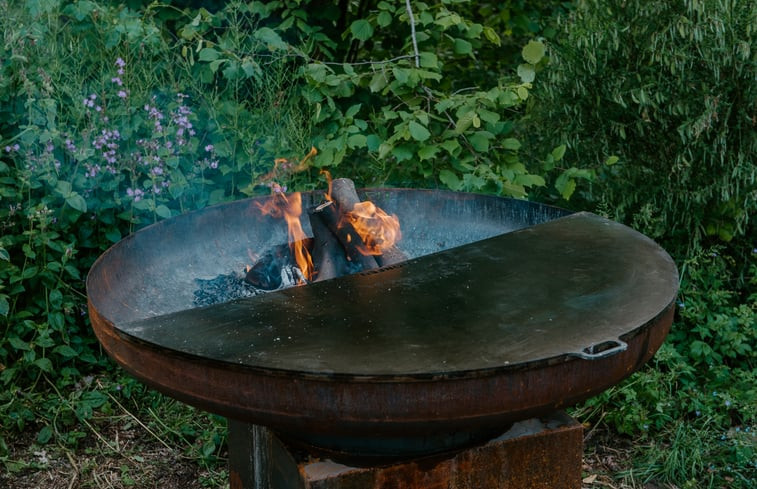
(130, 458)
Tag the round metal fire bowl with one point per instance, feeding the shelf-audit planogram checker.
(506, 310)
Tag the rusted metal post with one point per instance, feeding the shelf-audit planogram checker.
(258, 460)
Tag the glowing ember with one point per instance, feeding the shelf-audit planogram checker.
(290, 207)
(378, 230)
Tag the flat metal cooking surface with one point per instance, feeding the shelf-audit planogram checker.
(552, 289)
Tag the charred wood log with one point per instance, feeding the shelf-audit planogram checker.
(351, 242)
(343, 193)
(329, 258)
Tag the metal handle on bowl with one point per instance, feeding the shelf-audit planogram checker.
(602, 350)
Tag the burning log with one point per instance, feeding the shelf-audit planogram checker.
(348, 236)
(328, 255)
(375, 232)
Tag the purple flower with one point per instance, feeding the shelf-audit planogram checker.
(209, 148)
(214, 164)
(117, 81)
(120, 62)
(136, 194)
(123, 93)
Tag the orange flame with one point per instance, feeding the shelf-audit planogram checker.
(290, 208)
(378, 230)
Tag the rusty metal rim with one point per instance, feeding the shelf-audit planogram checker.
(216, 395)
(385, 378)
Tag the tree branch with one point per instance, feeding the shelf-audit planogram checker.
(412, 34)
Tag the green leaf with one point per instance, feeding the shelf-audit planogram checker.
(216, 63)
(272, 40)
(18, 344)
(565, 185)
(492, 35)
(4, 306)
(361, 30)
(429, 60)
(450, 180)
(558, 152)
(44, 435)
(63, 188)
(113, 235)
(511, 144)
(462, 46)
(403, 152)
(65, 351)
(533, 52)
(529, 180)
(4, 254)
(163, 211)
(208, 54)
(378, 82)
(450, 145)
(29, 272)
(611, 160)
(357, 141)
(44, 364)
(418, 132)
(352, 111)
(77, 202)
(465, 121)
(479, 141)
(526, 73)
(384, 18)
(427, 152)
(373, 142)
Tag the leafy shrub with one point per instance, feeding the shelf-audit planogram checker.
(391, 107)
(98, 138)
(667, 89)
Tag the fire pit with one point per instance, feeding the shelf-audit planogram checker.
(505, 310)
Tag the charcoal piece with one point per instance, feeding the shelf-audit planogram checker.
(270, 272)
(222, 288)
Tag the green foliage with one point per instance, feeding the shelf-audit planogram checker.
(667, 89)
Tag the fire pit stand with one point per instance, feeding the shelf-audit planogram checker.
(505, 311)
(541, 453)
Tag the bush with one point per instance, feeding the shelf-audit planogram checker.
(666, 91)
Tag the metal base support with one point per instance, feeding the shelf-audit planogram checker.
(543, 453)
